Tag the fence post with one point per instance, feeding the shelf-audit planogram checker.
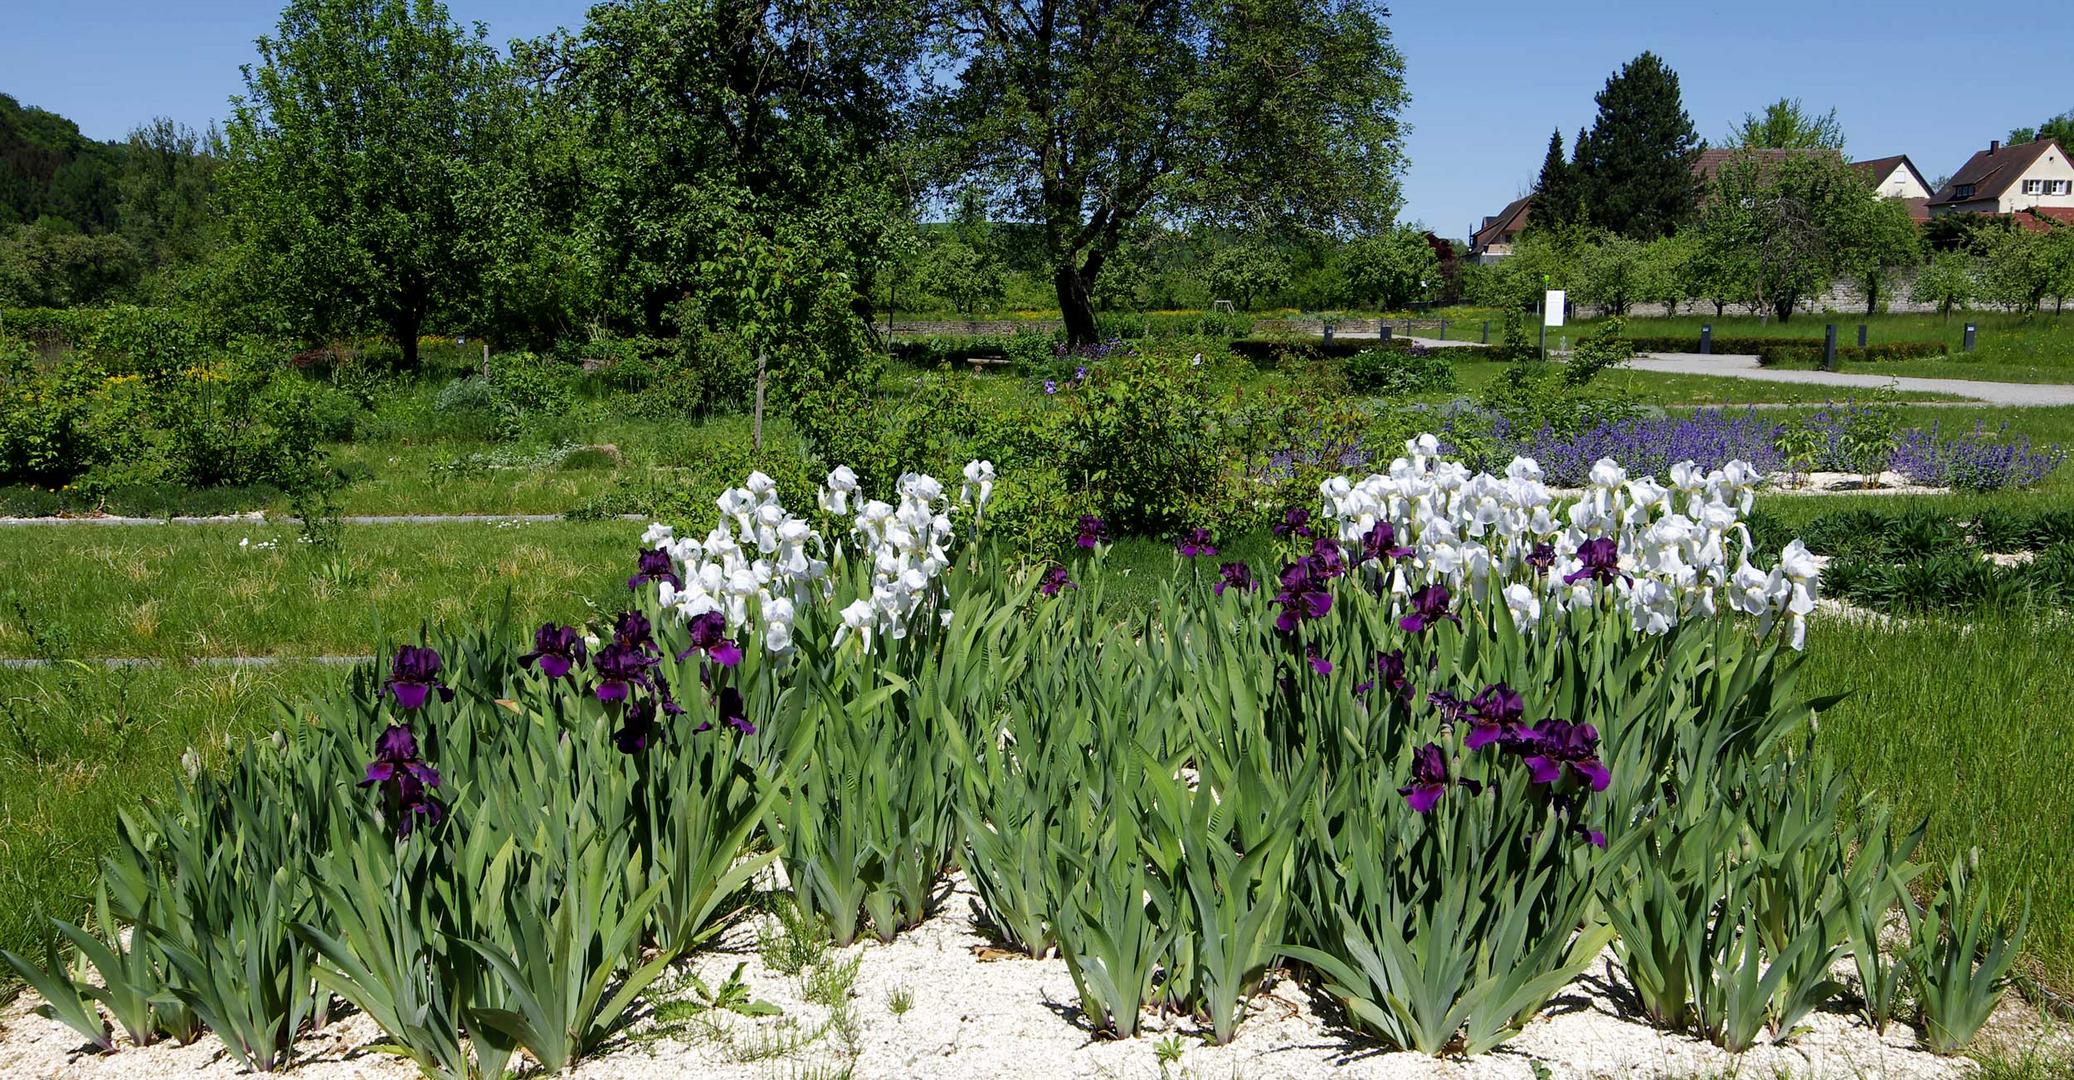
(1969, 337)
(1443, 329)
(1861, 335)
(1706, 339)
(1829, 347)
(1487, 331)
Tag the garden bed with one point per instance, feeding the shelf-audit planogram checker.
(942, 1001)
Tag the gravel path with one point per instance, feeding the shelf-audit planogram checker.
(1747, 367)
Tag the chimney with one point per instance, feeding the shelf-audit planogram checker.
(1994, 145)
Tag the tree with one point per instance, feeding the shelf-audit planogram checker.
(2059, 257)
(1558, 204)
(967, 277)
(1086, 118)
(168, 186)
(52, 264)
(1391, 269)
(1667, 275)
(1611, 273)
(1780, 228)
(1947, 281)
(355, 156)
(1881, 244)
(2019, 271)
(2059, 128)
(1787, 125)
(1242, 272)
(1635, 166)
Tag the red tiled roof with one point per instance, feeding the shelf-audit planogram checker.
(2040, 219)
(1509, 220)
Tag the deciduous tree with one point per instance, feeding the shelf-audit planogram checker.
(1085, 118)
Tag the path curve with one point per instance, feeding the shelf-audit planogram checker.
(1747, 367)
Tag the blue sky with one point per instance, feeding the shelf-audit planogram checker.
(1488, 80)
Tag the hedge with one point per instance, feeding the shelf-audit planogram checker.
(1268, 349)
(1771, 351)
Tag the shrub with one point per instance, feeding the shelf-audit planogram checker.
(1400, 372)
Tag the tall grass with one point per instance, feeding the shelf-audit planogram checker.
(79, 744)
(1966, 723)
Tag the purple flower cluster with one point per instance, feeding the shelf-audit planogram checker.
(1710, 438)
(1601, 559)
(709, 636)
(1234, 575)
(1561, 758)
(414, 678)
(405, 781)
(1090, 531)
(1054, 581)
(1195, 542)
(1306, 592)
(1429, 605)
(656, 565)
(556, 651)
(1973, 461)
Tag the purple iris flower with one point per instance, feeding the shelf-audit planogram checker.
(1080, 373)
(733, 711)
(405, 781)
(656, 565)
(1325, 555)
(1380, 545)
(619, 669)
(1296, 521)
(556, 649)
(1542, 558)
(709, 636)
(1562, 748)
(1054, 580)
(1305, 595)
(1601, 558)
(1390, 671)
(1452, 709)
(1195, 542)
(1428, 606)
(1318, 662)
(1495, 718)
(637, 729)
(1568, 809)
(414, 675)
(1051, 386)
(1092, 531)
(633, 631)
(1429, 779)
(1234, 575)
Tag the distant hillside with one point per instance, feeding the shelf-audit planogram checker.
(48, 169)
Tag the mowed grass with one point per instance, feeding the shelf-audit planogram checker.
(1965, 724)
(197, 591)
(2008, 347)
(78, 745)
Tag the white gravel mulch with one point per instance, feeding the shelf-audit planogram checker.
(971, 1017)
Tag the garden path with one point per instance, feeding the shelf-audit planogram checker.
(1747, 367)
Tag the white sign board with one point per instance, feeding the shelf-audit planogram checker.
(1552, 308)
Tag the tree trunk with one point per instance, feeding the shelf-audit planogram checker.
(756, 429)
(1783, 307)
(405, 327)
(1076, 304)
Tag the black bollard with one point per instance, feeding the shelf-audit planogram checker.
(1969, 337)
(1487, 331)
(1706, 339)
(1829, 347)
(1861, 335)
(1384, 330)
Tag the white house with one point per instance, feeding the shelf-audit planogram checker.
(2006, 179)
(1897, 178)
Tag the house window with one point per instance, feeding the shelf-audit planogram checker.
(2059, 187)
(1965, 191)
(2034, 187)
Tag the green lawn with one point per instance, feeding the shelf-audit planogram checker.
(81, 744)
(1966, 724)
(186, 591)
(2008, 347)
